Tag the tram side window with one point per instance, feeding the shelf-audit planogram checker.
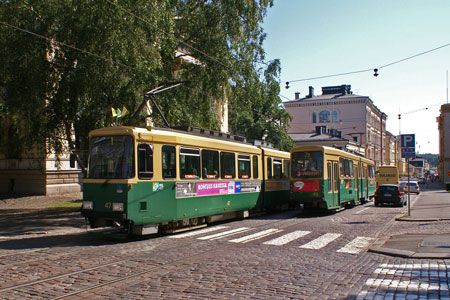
(210, 164)
(145, 161)
(287, 165)
(330, 182)
(255, 167)
(277, 168)
(244, 166)
(189, 163)
(168, 162)
(269, 168)
(227, 165)
(371, 173)
(346, 167)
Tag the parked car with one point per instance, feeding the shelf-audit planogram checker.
(389, 193)
(412, 188)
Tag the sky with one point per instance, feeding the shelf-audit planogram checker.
(327, 37)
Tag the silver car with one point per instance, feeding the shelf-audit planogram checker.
(413, 187)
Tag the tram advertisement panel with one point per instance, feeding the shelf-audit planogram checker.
(195, 189)
(214, 188)
(277, 185)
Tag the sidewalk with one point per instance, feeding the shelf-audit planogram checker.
(30, 216)
(426, 231)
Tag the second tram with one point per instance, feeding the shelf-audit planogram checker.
(330, 179)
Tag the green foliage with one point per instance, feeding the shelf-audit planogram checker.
(59, 90)
(433, 159)
(86, 56)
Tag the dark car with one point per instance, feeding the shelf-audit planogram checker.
(389, 193)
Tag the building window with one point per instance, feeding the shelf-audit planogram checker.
(324, 116)
(355, 139)
(314, 117)
(335, 117)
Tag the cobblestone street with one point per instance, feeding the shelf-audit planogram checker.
(49, 255)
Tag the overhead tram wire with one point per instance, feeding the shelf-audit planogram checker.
(368, 70)
(71, 47)
(413, 56)
(109, 59)
(78, 49)
(75, 48)
(419, 109)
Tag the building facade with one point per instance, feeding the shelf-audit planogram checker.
(39, 173)
(444, 143)
(392, 150)
(355, 116)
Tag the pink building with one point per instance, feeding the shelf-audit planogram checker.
(355, 116)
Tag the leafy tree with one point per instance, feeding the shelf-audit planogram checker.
(83, 58)
(433, 159)
(257, 112)
(231, 38)
(65, 64)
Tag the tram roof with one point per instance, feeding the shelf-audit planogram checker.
(179, 137)
(330, 150)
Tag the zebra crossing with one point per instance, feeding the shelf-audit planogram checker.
(355, 246)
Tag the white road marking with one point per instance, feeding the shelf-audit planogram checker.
(197, 232)
(358, 212)
(255, 236)
(224, 234)
(321, 241)
(357, 245)
(284, 239)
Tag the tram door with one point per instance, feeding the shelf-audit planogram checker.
(336, 191)
(358, 190)
(366, 183)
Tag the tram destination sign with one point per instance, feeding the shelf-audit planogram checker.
(408, 145)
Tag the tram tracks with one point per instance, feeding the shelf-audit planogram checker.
(101, 275)
(17, 258)
(108, 274)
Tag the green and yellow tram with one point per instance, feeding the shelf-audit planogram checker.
(275, 193)
(145, 180)
(329, 178)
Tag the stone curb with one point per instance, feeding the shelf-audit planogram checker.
(408, 254)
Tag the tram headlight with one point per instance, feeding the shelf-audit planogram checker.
(89, 205)
(117, 206)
